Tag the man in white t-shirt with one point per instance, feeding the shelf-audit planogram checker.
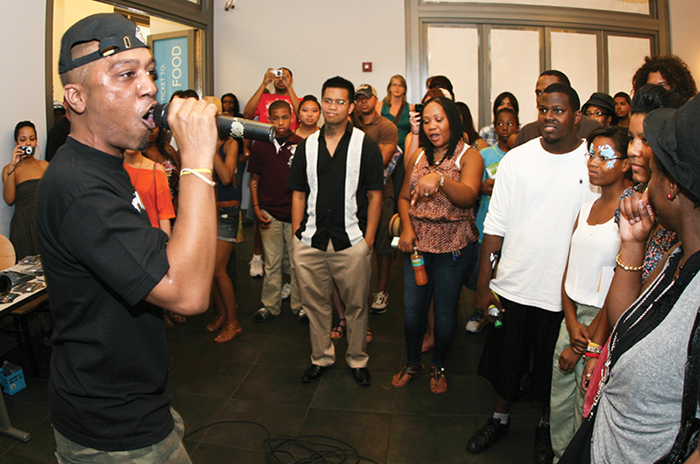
(541, 187)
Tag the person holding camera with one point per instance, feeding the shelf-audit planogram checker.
(259, 103)
(259, 106)
(20, 180)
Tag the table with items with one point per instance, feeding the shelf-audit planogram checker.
(22, 290)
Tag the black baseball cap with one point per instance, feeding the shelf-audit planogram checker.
(114, 32)
(366, 91)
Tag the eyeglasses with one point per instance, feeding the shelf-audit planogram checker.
(330, 101)
(600, 158)
(592, 114)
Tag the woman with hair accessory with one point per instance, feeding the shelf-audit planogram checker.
(437, 211)
(648, 391)
(20, 180)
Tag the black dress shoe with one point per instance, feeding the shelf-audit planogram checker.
(487, 436)
(543, 445)
(302, 318)
(313, 373)
(361, 376)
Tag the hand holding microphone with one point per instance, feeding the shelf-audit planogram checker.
(235, 127)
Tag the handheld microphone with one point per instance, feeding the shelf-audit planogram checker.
(235, 127)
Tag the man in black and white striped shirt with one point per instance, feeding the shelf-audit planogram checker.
(337, 181)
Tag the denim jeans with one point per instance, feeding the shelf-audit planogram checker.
(446, 274)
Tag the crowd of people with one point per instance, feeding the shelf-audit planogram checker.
(578, 232)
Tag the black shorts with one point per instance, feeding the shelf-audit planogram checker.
(527, 333)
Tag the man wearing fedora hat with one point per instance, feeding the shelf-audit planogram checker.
(109, 272)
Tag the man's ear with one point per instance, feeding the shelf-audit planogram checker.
(577, 117)
(75, 97)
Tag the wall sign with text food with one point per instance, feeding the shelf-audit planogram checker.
(174, 54)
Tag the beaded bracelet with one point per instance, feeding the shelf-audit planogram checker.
(442, 179)
(627, 268)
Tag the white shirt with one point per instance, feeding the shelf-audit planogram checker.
(591, 259)
(534, 206)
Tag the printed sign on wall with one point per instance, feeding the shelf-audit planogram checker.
(174, 61)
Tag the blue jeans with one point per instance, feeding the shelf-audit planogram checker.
(446, 274)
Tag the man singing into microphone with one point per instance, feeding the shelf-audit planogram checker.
(109, 273)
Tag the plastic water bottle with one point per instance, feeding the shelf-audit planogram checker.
(495, 314)
(419, 267)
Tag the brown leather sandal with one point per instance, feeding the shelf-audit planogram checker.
(216, 324)
(406, 375)
(229, 331)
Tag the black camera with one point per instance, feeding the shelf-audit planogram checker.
(28, 150)
(419, 108)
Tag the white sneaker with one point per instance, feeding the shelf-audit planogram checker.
(379, 302)
(256, 266)
(286, 290)
(476, 322)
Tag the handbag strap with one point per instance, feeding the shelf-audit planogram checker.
(155, 185)
(399, 113)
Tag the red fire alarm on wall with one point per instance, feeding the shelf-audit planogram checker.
(367, 67)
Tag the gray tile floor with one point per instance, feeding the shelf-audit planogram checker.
(256, 378)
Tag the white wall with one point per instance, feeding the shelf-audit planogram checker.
(315, 39)
(685, 34)
(67, 13)
(22, 32)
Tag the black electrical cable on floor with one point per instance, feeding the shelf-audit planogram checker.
(310, 449)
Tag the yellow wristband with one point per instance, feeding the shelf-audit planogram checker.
(196, 172)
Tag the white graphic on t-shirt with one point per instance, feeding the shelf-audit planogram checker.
(137, 204)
